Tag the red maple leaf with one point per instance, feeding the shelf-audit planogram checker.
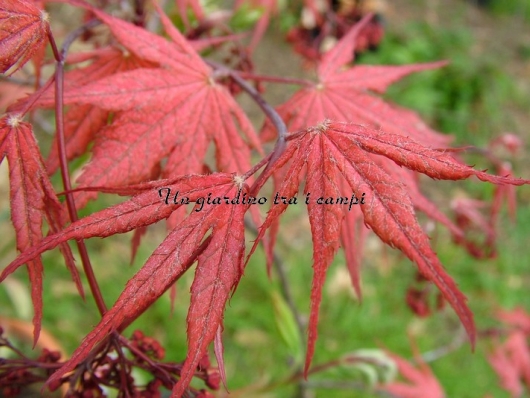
(345, 94)
(470, 218)
(511, 362)
(220, 257)
(33, 200)
(517, 318)
(23, 31)
(84, 122)
(511, 359)
(422, 383)
(174, 111)
(327, 155)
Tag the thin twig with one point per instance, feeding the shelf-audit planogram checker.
(72, 36)
(124, 385)
(65, 173)
(270, 112)
(276, 79)
(257, 166)
(139, 354)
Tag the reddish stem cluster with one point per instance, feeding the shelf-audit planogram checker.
(110, 366)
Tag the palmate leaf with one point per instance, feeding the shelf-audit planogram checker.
(213, 234)
(342, 94)
(511, 362)
(174, 111)
(331, 152)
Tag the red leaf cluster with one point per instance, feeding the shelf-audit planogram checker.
(152, 107)
(511, 359)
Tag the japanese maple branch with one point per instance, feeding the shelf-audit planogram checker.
(124, 363)
(275, 79)
(75, 34)
(61, 144)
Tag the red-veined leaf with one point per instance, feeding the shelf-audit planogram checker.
(33, 200)
(331, 152)
(220, 258)
(23, 31)
(343, 95)
(178, 109)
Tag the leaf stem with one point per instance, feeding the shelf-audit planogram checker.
(257, 166)
(72, 36)
(152, 364)
(276, 79)
(269, 111)
(65, 173)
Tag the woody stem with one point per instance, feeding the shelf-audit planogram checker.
(65, 173)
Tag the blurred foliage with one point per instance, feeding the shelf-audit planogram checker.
(517, 8)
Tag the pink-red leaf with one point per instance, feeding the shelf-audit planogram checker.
(166, 112)
(422, 383)
(511, 362)
(517, 318)
(219, 269)
(374, 77)
(23, 31)
(326, 155)
(33, 200)
(343, 51)
(342, 95)
(213, 233)
(325, 223)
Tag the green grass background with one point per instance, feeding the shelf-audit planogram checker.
(474, 98)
